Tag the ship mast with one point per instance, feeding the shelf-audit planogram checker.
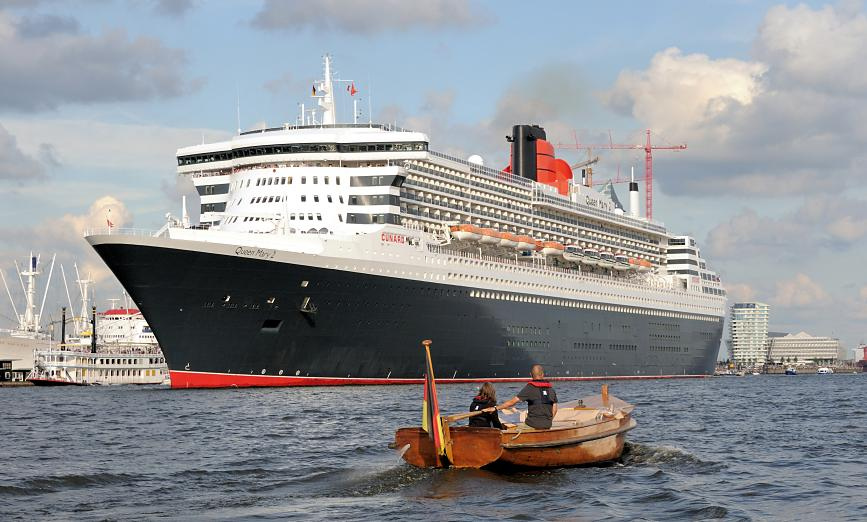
(83, 284)
(29, 320)
(325, 94)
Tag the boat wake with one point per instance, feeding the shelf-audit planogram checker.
(637, 454)
(55, 483)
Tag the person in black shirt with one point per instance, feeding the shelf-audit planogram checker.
(485, 400)
(540, 397)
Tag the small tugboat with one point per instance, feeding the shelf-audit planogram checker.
(586, 431)
(824, 371)
(791, 371)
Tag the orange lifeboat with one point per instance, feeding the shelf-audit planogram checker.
(621, 263)
(489, 236)
(553, 248)
(508, 240)
(525, 243)
(465, 232)
(538, 245)
(633, 263)
(644, 265)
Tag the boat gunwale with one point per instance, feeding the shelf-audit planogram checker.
(573, 441)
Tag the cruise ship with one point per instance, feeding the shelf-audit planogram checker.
(325, 252)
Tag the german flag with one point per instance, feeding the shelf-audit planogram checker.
(431, 420)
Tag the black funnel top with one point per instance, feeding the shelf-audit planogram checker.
(523, 140)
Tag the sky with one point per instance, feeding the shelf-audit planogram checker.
(770, 98)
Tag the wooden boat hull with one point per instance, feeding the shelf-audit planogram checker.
(471, 447)
(561, 446)
(571, 447)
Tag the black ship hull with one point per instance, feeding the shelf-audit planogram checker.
(224, 320)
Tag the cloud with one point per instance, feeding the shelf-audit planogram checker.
(63, 236)
(46, 25)
(678, 92)
(46, 63)
(175, 8)
(800, 292)
(821, 224)
(792, 121)
(816, 48)
(740, 292)
(14, 164)
(367, 17)
(124, 148)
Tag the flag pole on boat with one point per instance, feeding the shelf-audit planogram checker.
(431, 420)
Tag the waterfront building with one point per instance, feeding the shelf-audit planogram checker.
(803, 347)
(748, 328)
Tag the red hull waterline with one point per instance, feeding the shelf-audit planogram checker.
(187, 379)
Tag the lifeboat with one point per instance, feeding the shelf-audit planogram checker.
(553, 248)
(606, 260)
(644, 265)
(508, 240)
(465, 232)
(525, 243)
(621, 263)
(633, 263)
(489, 236)
(573, 253)
(591, 257)
(538, 245)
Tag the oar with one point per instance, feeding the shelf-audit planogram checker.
(462, 416)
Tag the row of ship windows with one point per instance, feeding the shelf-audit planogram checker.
(562, 233)
(523, 197)
(500, 263)
(523, 343)
(671, 327)
(470, 194)
(527, 330)
(292, 217)
(713, 291)
(676, 349)
(354, 181)
(502, 296)
(665, 337)
(577, 346)
(556, 288)
(278, 199)
(300, 148)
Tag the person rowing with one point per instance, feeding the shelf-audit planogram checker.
(540, 397)
(484, 401)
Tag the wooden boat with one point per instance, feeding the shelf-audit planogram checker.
(586, 431)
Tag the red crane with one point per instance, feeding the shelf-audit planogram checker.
(648, 160)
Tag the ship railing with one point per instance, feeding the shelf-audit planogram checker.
(289, 126)
(481, 214)
(494, 174)
(114, 231)
(540, 196)
(540, 266)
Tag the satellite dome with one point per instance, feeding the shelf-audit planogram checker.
(476, 160)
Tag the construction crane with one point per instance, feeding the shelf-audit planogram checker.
(648, 160)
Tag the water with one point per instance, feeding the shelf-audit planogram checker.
(737, 448)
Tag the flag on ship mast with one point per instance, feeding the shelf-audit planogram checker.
(314, 89)
(431, 420)
(351, 89)
(108, 220)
